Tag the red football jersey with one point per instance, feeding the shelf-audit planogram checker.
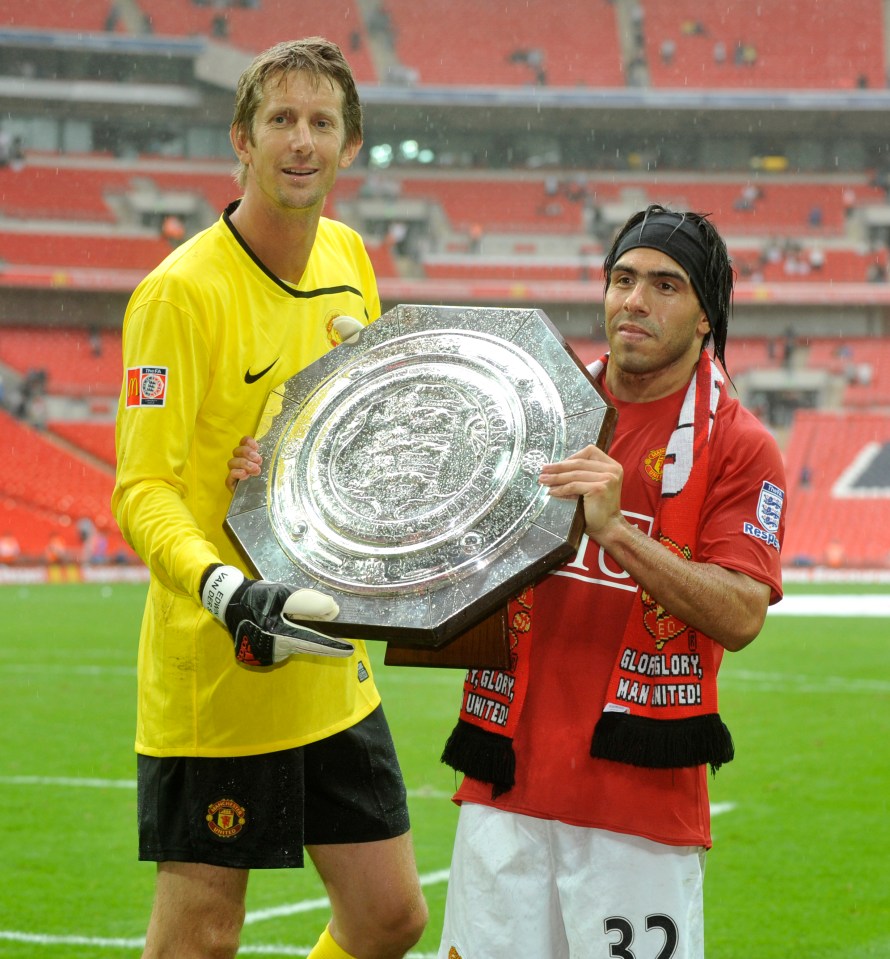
(579, 614)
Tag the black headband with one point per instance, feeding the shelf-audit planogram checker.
(674, 234)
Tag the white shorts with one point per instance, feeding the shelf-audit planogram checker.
(521, 886)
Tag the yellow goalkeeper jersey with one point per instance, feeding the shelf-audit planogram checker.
(207, 336)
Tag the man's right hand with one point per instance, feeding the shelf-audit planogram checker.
(246, 461)
(596, 478)
(260, 616)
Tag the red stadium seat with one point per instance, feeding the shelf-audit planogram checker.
(470, 43)
(77, 362)
(829, 518)
(794, 45)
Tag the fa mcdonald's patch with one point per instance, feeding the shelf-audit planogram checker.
(147, 386)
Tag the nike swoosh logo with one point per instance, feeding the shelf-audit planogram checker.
(253, 377)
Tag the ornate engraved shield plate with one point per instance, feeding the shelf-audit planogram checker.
(400, 472)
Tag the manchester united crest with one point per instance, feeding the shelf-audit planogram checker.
(661, 625)
(653, 464)
(225, 818)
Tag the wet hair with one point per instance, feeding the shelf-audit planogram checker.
(693, 241)
(320, 58)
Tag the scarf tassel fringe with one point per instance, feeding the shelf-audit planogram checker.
(481, 755)
(663, 743)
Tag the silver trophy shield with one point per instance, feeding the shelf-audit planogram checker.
(400, 470)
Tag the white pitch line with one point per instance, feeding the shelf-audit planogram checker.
(38, 939)
(67, 781)
(57, 669)
(252, 917)
(840, 605)
(423, 792)
(308, 905)
(98, 942)
(801, 605)
(801, 683)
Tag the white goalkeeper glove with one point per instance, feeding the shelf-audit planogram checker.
(259, 617)
(348, 328)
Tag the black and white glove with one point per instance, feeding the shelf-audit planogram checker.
(259, 617)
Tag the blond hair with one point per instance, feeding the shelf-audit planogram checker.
(316, 56)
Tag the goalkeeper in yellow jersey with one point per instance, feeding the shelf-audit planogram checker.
(256, 735)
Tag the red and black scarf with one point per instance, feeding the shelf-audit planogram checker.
(661, 703)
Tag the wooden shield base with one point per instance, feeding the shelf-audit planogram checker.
(484, 646)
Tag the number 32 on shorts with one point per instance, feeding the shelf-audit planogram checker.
(620, 948)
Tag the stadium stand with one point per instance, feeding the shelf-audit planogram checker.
(34, 529)
(96, 439)
(838, 489)
(789, 45)
(864, 364)
(513, 232)
(499, 205)
(746, 353)
(55, 192)
(529, 208)
(470, 43)
(247, 26)
(89, 15)
(63, 490)
(102, 251)
(76, 361)
(63, 484)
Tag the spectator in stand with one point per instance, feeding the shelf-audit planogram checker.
(834, 554)
(397, 237)
(10, 548)
(380, 25)
(749, 196)
(876, 272)
(99, 554)
(172, 229)
(789, 347)
(95, 338)
(57, 549)
(86, 533)
(17, 154)
(693, 28)
(816, 258)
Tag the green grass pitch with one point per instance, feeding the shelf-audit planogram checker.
(800, 865)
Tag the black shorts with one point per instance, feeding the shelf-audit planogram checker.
(257, 812)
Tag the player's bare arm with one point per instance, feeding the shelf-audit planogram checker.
(726, 605)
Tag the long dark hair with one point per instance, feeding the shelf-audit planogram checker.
(718, 275)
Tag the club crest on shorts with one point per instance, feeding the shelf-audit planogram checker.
(225, 818)
(769, 507)
(147, 386)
